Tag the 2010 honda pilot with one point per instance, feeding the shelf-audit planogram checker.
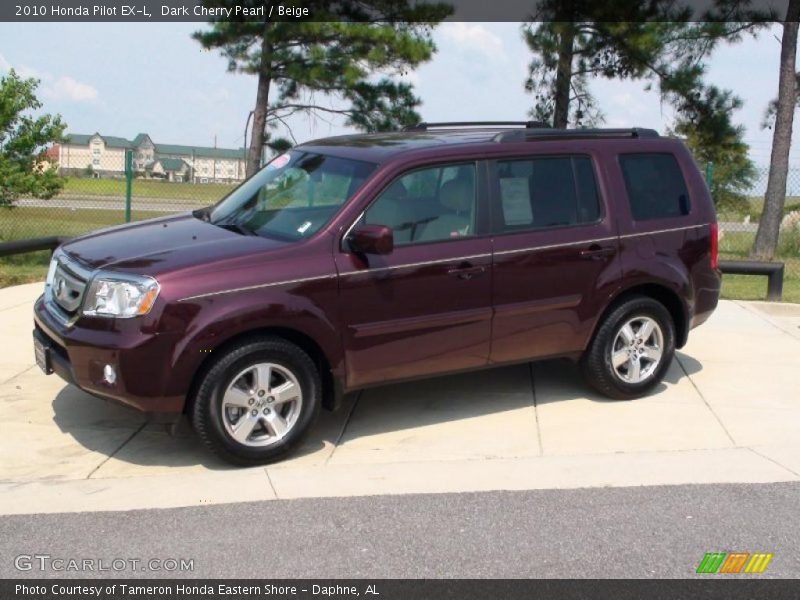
(358, 260)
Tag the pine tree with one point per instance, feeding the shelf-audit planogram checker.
(766, 242)
(706, 126)
(574, 41)
(341, 63)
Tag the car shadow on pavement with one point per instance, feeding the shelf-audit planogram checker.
(559, 380)
(393, 409)
(146, 444)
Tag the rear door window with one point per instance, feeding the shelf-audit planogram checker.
(655, 185)
(543, 192)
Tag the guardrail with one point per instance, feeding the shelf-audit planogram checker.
(773, 271)
(31, 245)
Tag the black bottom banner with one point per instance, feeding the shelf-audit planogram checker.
(395, 589)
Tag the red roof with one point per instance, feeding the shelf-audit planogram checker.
(52, 152)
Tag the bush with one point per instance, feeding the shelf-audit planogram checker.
(789, 242)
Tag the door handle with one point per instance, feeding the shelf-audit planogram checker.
(598, 251)
(466, 271)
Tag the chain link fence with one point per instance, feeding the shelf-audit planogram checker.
(106, 193)
(110, 191)
(738, 216)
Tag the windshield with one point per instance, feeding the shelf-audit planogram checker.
(292, 197)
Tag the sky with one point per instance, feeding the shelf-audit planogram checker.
(123, 79)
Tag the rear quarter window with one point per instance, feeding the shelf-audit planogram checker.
(655, 185)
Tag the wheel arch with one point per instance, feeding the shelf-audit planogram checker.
(331, 386)
(664, 294)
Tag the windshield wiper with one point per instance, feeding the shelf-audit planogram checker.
(236, 227)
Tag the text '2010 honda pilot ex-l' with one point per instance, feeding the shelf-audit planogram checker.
(359, 260)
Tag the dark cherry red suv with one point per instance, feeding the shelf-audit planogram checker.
(353, 261)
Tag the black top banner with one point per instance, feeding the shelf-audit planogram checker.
(391, 10)
(393, 589)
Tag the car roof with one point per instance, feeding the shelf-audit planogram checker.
(381, 147)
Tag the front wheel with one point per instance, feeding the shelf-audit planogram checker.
(257, 401)
(632, 349)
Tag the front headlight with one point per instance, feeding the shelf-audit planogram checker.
(122, 296)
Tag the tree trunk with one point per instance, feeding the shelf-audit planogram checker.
(564, 76)
(259, 130)
(766, 242)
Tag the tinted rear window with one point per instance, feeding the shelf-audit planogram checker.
(546, 192)
(655, 184)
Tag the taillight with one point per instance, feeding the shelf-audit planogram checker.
(714, 245)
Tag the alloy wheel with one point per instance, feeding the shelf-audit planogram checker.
(261, 404)
(637, 349)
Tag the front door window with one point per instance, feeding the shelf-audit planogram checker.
(428, 205)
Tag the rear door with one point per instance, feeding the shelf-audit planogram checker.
(426, 307)
(555, 257)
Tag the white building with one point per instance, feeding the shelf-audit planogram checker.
(104, 156)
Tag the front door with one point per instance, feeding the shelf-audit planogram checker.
(555, 255)
(426, 307)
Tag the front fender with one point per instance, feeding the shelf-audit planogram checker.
(212, 321)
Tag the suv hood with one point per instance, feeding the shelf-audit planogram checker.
(163, 245)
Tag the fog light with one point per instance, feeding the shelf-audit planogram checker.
(109, 375)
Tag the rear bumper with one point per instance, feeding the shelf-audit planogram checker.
(78, 356)
(706, 297)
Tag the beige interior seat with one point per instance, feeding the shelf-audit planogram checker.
(457, 197)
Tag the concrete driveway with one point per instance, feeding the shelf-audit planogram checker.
(729, 411)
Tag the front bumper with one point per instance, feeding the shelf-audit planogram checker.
(141, 360)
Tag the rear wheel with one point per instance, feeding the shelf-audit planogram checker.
(257, 401)
(632, 349)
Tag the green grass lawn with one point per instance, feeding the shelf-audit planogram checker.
(23, 268)
(752, 287)
(736, 246)
(146, 188)
(22, 223)
(753, 209)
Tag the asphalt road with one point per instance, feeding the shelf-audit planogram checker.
(619, 532)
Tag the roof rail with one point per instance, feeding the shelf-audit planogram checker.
(560, 134)
(423, 126)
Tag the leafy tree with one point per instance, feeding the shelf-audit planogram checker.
(23, 141)
(766, 242)
(301, 64)
(706, 126)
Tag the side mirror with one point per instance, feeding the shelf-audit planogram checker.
(371, 239)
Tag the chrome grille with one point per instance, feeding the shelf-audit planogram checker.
(65, 293)
(68, 289)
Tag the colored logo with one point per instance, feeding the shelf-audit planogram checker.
(734, 562)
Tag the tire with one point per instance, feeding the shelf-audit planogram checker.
(231, 402)
(624, 381)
